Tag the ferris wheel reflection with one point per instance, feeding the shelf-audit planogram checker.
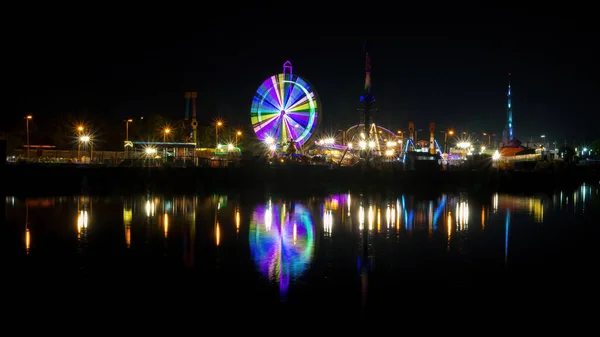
(282, 241)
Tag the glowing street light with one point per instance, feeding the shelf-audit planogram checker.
(446, 133)
(87, 140)
(237, 134)
(127, 121)
(27, 119)
(218, 124)
(127, 129)
(166, 131)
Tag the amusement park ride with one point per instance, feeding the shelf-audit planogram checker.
(286, 112)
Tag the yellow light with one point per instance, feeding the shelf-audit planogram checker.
(167, 130)
(80, 128)
(27, 239)
(451, 132)
(166, 224)
(219, 123)
(218, 234)
(29, 117)
(239, 133)
(129, 120)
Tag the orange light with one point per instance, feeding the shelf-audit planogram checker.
(167, 130)
(450, 132)
(29, 117)
(239, 133)
(219, 123)
(129, 120)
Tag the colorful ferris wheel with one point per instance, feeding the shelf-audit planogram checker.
(285, 110)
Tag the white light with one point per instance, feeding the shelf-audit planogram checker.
(272, 147)
(389, 153)
(391, 144)
(362, 144)
(85, 139)
(269, 140)
(150, 150)
(371, 144)
(349, 145)
(230, 147)
(496, 155)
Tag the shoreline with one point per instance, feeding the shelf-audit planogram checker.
(26, 180)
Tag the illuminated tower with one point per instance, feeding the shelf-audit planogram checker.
(508, 132)
(367, 99)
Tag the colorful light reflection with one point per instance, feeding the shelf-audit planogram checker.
(282, 241)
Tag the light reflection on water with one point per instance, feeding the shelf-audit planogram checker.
(284, 239)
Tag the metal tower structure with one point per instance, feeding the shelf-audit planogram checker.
(367, 99)
(508, 131)
(190, 127)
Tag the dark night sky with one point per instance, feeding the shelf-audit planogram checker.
(451, 70)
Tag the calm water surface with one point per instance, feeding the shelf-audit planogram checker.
(347, 252)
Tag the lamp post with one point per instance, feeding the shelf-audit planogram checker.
(127, 129)
(27, 118)
(79, 131)
(166, 131)
(217, 126)
(489, 135)
(127, 121)
(446, 133)
(86, 139)
(237, 134)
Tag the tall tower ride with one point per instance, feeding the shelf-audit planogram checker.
(508, 131)
(367, 99)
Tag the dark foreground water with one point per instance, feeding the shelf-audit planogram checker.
(345, 254)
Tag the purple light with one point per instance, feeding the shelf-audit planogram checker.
(281, 241)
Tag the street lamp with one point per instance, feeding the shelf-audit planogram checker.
(87, 139)
(446, 133)
(127, 129)
(218, 124)
(27, 118)
(489, 135)
(79, 131)
(127, 121)
(237, 134)
(165, 133)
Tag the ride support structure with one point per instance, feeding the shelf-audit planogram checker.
(367, 99)
(190, 126)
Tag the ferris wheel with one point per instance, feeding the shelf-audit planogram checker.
(285, 110)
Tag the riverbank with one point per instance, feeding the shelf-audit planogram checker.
(70, 180)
